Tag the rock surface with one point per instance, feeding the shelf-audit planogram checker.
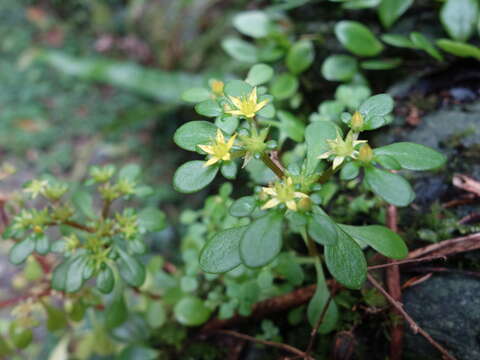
(448, 308)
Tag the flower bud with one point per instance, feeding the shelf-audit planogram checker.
(365, 153)
(217, 87)
(356, 123)
(304, 204)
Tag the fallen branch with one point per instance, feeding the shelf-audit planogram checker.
(265, 307)
(413, 325)
(448, 247)
(408, 261)
(466, 183)
(284, 347)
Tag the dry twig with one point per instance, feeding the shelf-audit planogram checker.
(413, 325)
(284, 347)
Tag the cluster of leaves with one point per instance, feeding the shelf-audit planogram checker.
(101, 249)
(292, 203)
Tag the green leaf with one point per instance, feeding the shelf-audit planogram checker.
(156, 315)
(316, 307)
(291, 125)
(196, 95)
(136, 352)
(339, 68)
(130, 172)
(413, 156)
(381, 64)
(42, 244)
(152, 219)
(284, 86)
(374, 110)
(191, 311)
(398, 41)
(391, 187)
(458, 48)
(262, 241)
(253, 23)
(240, 50)
(74, 279)
(459, 18)
(193, 176)
(390, 10)
(352, 95)
(259, 74)
(56, 318)
(209, 108)
(237, 88)
(359, 4)
(357, 38)
(422, 42)
(388, 162)
(83, 201)
(194, 133)
(105, 280)
(20, 336)
(229, 169)
(243, 206)
(346, 262)
(22, 250)
(116, 312)
(59, 276)
(322, 229)
(288, 267)
(378, 105)
(316, 136)
(300, 56)
(349, 171)
(382, 239)
(131, 270)
(222, 252)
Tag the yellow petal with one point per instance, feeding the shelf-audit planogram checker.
(289, 181)
(270, 204)
(226, 157)
(325, 155)
(207, 148)
(236, 101)
(261, 104)
(337, 161)
(298, 194)
(211, 161)
(292, 205)
(220, 137)
(269, 191)
(253, 96)
(231, 141)
(234, 112)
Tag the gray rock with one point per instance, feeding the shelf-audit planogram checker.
(448, 308)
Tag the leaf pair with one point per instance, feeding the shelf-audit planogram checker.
(254, 245)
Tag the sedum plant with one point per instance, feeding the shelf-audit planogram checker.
(289, 168)
(86, 257)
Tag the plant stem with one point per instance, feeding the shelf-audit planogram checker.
(326, 175)
(274, 167)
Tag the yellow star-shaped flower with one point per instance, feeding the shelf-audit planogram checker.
(246, 105)
(342, 149)
(219, 150)
(283, 192)
(36, 187)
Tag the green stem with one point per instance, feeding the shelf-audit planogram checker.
(313, 251)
